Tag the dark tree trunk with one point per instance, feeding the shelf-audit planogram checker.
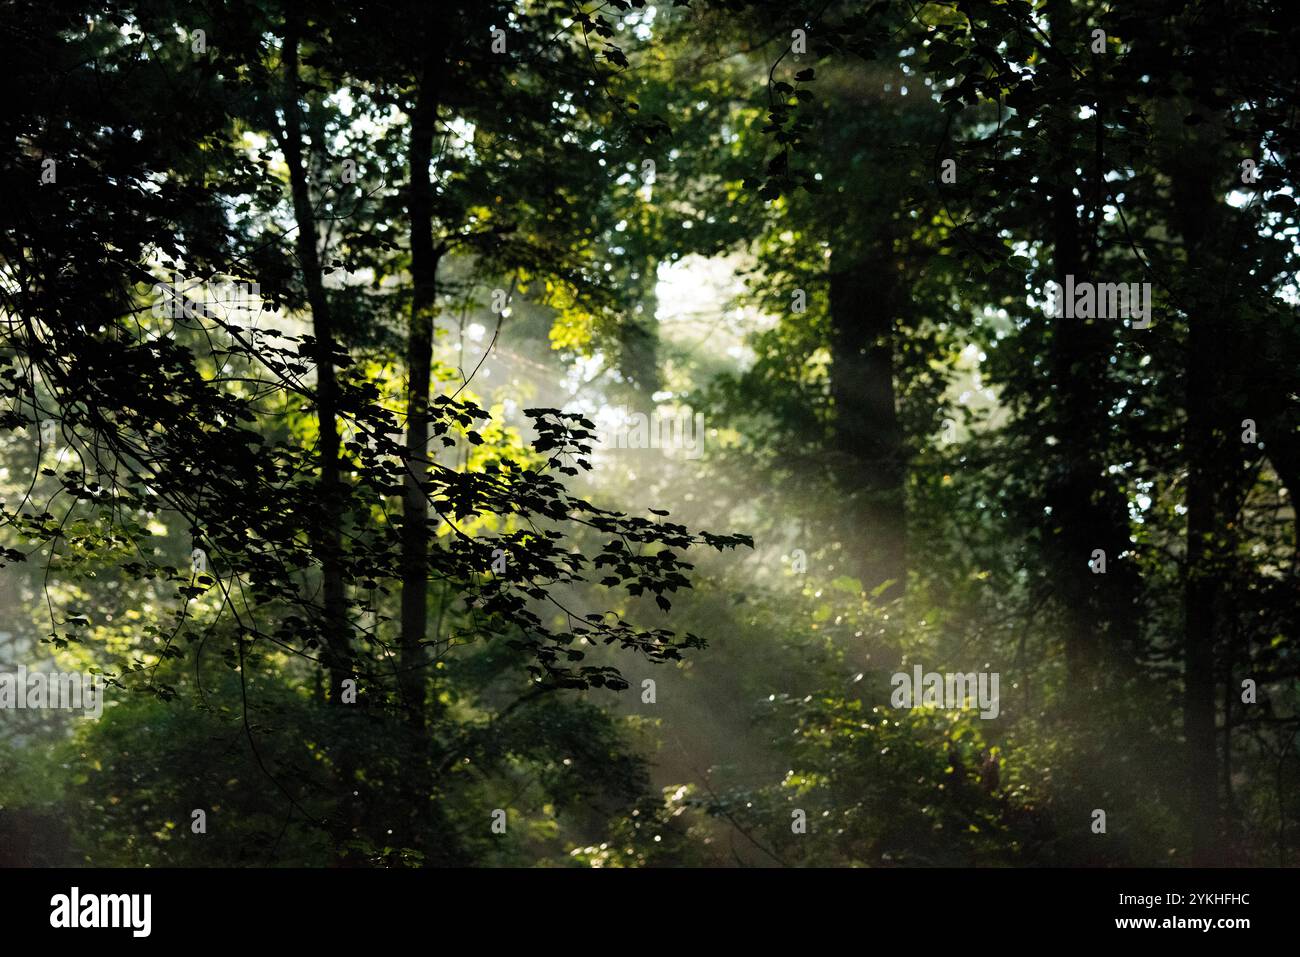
(870, 457)
(328, 530)
(1200, 591)
(336, 629)
(1211, 462)
(416, 534)
(638, 339)
(1089, 510)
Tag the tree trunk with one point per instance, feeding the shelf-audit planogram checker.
(638, 339)
(1201, 223)
(416, 534)
(1089, 510)
(328, 530)
(1200, 592)
(868, 438)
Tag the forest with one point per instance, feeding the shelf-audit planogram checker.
(630, 434)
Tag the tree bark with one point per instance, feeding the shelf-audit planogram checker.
(1089, 510)
(328, 531)
(868, 438)
(1209, 413)
(416, 534)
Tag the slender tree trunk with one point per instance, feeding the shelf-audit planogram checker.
(1069, 495)
(1089, 511)
(329, 528)
(416, 535)
(1192, 161)
(1200, 593)
(868, 438)
(328, 533)
(638, 338)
